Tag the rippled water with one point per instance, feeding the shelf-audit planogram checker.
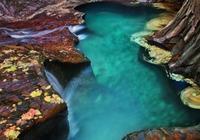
(120, 93)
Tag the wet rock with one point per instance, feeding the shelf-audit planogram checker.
(23, 91)
(158, 23)
(50, 37)
(157, 55)
(191, 97)
(182, 37)
(22, 10)
(30, 33)
(190, 133)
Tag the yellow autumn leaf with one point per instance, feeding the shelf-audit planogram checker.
(36, 93)
(55, 99)
(30, 114)
(11, 133)
(47, 98)
(48, 87)
(11, 69)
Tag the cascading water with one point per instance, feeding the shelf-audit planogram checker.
(77, 30)
(54, 82)
(120, 93)
(70, 90)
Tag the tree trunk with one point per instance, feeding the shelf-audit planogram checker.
(182, 37)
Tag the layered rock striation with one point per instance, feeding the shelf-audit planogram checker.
(32, 32)
(179, 38)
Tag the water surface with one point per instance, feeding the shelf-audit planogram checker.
(120, 93)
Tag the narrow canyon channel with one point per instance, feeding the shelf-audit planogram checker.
(119, 92)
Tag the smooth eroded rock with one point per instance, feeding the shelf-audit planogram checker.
(190, 133)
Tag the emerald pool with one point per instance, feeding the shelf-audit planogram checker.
(120, 93)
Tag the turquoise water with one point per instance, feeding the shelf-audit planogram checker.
(120, 93)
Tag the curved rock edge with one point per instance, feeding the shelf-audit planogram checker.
(189, 96)
(2, 90)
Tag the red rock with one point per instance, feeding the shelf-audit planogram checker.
(31, 32)
(190, 133)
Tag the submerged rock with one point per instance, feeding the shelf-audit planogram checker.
(159, 22)
(31, 32)
(158, 55)
(191, 97)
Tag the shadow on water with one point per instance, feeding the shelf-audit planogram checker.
(116, 7)
(64, 72)
(143, 55)
(126, 94)
(56, 128)
(176, 85)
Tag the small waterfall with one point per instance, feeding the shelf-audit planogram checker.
(24, 35)
(27, 33)
(54, 82)
(77, 30)
(68, 94)
(82, 36)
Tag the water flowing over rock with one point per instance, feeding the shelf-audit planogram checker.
(31, 32)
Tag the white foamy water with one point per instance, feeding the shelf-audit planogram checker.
(23, 35)
(54, 82)
(76, 28)
(30, 34)
(82, 36)
(69, 92)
